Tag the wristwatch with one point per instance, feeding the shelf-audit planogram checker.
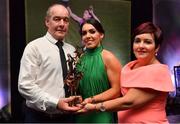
(102, 107)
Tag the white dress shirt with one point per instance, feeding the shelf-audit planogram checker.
(40, 77)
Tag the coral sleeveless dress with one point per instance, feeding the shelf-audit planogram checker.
(156, 77)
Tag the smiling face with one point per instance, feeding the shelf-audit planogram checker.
(57, 21)
(144, 47)
(90, 36)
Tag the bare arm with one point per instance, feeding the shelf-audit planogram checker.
(133, 99)
(74, 16)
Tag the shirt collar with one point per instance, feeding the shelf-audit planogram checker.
(51, 38)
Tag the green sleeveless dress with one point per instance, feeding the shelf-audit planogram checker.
(94, 81)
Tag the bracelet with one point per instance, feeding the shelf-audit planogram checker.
(93, 100)
(102, 107)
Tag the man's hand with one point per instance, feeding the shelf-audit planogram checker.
(63, 104)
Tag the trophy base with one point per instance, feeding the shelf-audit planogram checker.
(76, 101)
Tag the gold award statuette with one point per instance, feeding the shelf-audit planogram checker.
(73, 77)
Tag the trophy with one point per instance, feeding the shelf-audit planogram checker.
(73, 77)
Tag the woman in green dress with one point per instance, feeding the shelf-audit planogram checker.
(101, 73)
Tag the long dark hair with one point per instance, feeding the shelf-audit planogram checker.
(95, 23)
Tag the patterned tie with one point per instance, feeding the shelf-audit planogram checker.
(64, 65)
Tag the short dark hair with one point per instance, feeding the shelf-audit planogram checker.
(93, 22)
(149, 27)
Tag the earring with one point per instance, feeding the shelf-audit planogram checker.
(156, 54)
